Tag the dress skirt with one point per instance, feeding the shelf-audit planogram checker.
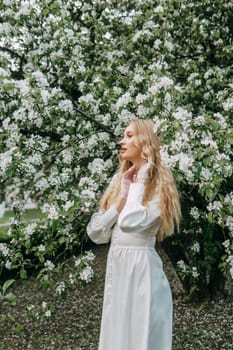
(137, 307)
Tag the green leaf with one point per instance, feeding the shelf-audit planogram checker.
(27, 244)
(6, 285)
(210, 194)
(61, 240)
(23, 274)
(11, 298)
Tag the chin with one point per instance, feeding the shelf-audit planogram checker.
(124, 157)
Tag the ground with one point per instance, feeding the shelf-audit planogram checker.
(75, 325)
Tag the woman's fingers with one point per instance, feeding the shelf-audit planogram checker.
(129, 173)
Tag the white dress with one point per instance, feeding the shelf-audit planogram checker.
(137, 307)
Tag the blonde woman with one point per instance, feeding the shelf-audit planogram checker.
(140, 205)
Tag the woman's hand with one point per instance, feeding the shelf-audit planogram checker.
(126, 180)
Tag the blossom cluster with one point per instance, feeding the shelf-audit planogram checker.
(70, 84)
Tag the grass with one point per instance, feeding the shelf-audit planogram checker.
(29, 215)
(3, 234)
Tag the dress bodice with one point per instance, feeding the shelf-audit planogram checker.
(136, 221)
(134, 239)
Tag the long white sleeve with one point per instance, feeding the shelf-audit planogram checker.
(99, 227)
(135, 217)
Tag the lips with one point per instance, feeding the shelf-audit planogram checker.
(123, 149)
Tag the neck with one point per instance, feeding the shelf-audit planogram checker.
(139, 163)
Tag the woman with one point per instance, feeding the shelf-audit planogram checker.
(141, 203)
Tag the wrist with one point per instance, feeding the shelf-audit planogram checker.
(122, 197)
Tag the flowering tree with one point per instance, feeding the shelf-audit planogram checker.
(73, 73)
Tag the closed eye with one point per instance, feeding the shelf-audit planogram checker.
(128, 135)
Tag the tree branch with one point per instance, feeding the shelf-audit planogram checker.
(54, 136)
(96, 122)
(13, 53)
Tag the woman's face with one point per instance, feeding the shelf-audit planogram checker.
(128, 150)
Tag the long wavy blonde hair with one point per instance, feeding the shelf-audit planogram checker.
(160, 179)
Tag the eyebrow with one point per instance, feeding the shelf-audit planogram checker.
(128, 132)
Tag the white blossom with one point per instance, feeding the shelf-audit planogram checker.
(65, 175)
(208, 141)
(195, 272)
(53, 213)
(48, 313)
(226, 245)
(221, 120)
(42, 184)
(45, 95)
(90, 256)
(215, 206)
(71, 278)
(68, 205)
(4, 249)
(126, 116)
(138, 78)
(199, 120)
(8, 264)
(87, 98)
(169, 45)
(24, 10)
(29, 229)
(206, 174)
(142, 111)
(88, 194)
(66, 106)
(229, 224)
(123, 100)
(165, 82)
(60, 288)
(158, 9)
(195, 247)
(97, 166)
(229, 260)
(185, 162)
(153, 89)
(182, 114)
(24, 86)
(67, 156)
(228, 104)
(157, 43)
(41, 248)
(86, 274)
(77, 262)
(5, 160)
(30, 307)
(194, 213)
(229, 198)
(49, 265)
(140, 98)
(41, 79)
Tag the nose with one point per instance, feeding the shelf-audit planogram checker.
(121, 142)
